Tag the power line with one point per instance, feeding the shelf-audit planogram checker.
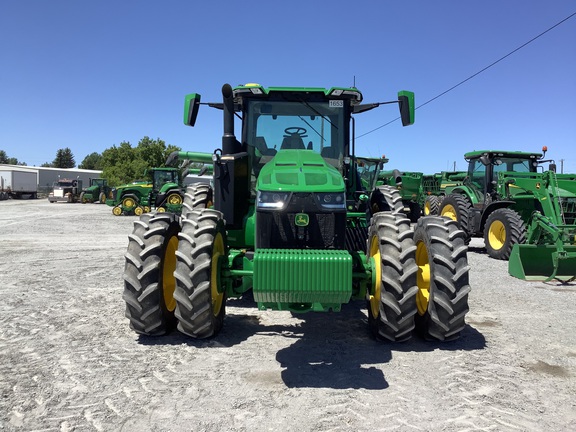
(476, 74)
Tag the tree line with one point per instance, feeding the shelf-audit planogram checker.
(119, 164)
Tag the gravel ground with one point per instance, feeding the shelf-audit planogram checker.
(69, 362)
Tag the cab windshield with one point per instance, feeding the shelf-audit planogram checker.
(299, 125)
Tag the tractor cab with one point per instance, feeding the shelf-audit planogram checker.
(295, 154)
(484, 168)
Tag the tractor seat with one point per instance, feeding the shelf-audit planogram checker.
(260, 144)
(293, 142)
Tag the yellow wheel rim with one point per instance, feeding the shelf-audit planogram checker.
(168, 279)
(218, 252)
(374, 296)
(146, 209)
(497, 235)
(128, 203)
(175, 199)
(423, 278)
(450, 212)
(161, 210)
(117, 211)
(138, 211)
(426, 208)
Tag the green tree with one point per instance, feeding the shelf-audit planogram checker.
(5, 159)
(93, 162)
(64, 159)
(124, 163)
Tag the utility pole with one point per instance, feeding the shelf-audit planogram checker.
(561, 166)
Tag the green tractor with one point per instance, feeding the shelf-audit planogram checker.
(523, 215)
(97, 192)
(130, 199)
(289, 218)
(165, 192)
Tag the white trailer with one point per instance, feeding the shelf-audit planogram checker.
(16, 182)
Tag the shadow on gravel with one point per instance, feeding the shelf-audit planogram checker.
(331, 350)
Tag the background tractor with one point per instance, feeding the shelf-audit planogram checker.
(289, 218)
(164, 192)
(97, 192)
(523, 215)
(131, 198)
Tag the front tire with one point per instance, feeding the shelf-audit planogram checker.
(443, 279)
(391, 299)
(202, 253)
(431, 205)
(386, 198)
(459, 209)
(149, 281)
(504, 228)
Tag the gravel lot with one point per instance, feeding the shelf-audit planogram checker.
(69, 362)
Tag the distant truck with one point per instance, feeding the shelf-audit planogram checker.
(17, 182)
(66, 190)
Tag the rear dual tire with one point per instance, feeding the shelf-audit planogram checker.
(149, 281)
(442, 280)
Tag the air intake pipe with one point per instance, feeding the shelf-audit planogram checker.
(230, 144)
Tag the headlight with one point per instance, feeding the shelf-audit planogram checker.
(271, 200)
(331, 200)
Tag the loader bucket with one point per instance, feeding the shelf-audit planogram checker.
(543, 262)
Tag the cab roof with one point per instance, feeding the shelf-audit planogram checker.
(502, 153)
(255, 90)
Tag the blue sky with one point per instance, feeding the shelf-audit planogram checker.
(89, 75)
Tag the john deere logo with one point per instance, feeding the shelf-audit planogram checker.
(302, 219)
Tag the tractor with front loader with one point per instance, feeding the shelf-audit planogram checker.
(288, 218)
(525, 215)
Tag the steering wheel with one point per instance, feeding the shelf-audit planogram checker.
(295, 131)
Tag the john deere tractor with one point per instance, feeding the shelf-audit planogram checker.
(523, 215)
(131, 198)
(97, 192)
(289, 218)
(164, 193)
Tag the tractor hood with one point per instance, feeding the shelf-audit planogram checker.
(300, 171)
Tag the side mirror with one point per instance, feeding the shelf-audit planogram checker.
(485, 159)
(406, 102)
(191, 105)
(552, 167)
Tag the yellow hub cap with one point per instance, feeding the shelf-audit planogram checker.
(117, 211)
(175, 199)
(423, 278)
(138, 211)
(450, 212)
(374, 297)
(161, 210)
(168, 279)
(497, 235)
(128, 203)
(218, 252)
